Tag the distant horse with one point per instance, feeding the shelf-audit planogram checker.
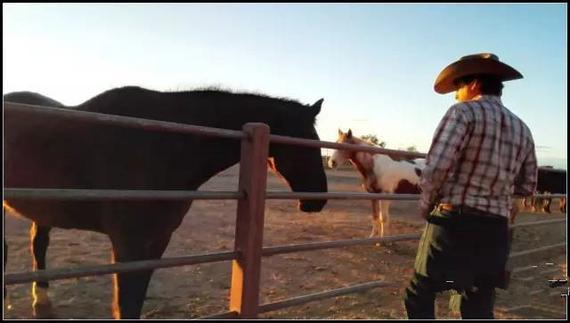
(549, 181)
(50, 152)
(381, 174)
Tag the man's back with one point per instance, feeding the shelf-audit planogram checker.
(496, 157)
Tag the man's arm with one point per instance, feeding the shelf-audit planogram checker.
(525, 181)
(448, 141)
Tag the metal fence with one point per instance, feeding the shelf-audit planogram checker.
(251, 196)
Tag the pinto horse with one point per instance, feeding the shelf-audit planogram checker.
(381, 174)
(50, 152)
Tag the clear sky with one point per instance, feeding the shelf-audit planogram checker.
(374, 64)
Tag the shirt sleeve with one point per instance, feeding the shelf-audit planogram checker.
(526, 180)
(450, 137)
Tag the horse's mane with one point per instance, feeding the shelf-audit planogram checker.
(201, 92)
(220, 89)
(213, 107)
(359, 140)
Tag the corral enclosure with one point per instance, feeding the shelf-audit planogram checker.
(202, 290)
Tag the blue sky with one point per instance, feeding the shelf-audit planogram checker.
(374, 64)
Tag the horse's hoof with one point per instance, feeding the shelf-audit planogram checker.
(41, 306)
(7, 302)
(43, 311)
(382, 244)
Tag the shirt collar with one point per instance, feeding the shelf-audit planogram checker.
(488, 97)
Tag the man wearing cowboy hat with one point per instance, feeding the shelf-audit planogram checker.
(481, 154)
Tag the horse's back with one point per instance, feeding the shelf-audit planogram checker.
(384, 165)
(33, 98)
(396, 176)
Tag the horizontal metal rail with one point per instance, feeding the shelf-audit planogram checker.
(130, 195)
(224, 315)
(554, 196)
(283, 195)
(123, 121)
(276, 139)
(323, 295)
(531, 251)
(55, 274)
(526, 224)
(271, 251)
(155, 125)
(112, 194)
(519, 270)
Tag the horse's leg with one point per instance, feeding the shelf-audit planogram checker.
(5, 254)
(527, 203)
(539, 204)
(5, 261)
(524, 203)
(562, 205)
(514, 211)
(385, 215)
(130, 287)
(532, 204)
(375, 217)
(381, 220)
(39, 236)
(547, 202)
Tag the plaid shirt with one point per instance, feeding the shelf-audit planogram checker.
(481, 155)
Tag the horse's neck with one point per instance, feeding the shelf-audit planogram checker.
(208, 166)
(207, 156)
(364, 163)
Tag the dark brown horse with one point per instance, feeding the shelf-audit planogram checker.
(39, 234)
(48, 152)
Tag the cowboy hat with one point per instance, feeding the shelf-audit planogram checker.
(476, 64)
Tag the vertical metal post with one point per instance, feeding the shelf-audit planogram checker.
(246, 269)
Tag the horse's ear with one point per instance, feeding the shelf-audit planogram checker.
(316, 107)
(349, 133)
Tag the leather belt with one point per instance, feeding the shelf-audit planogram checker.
(467, 210)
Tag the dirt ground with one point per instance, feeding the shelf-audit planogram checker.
(201, 290)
